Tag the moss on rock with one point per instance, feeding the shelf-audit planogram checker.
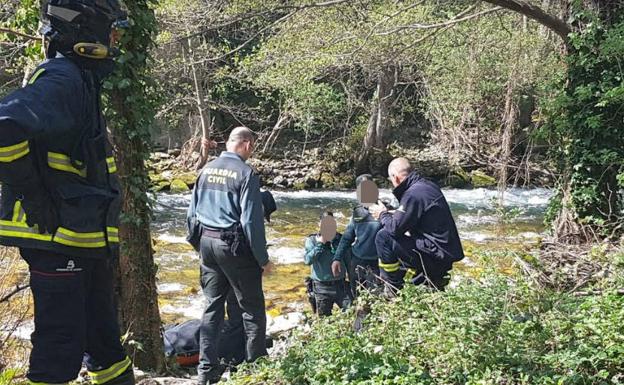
(478, 178)
(178, 186)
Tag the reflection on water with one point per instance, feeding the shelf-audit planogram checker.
(475, 211)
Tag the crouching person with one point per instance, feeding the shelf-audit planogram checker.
(418, 242)
(320, 250)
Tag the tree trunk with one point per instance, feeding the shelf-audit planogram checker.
(282, 121)
(380, 115)
(132, 100)
(138, 298)
(202, 109)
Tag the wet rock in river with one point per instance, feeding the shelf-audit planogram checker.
(178, 186)
(280, 181)
(479, 178)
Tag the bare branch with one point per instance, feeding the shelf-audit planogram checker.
(251, 39)
(18, 288)
(448, 23)
(534, 12)
(17, 33)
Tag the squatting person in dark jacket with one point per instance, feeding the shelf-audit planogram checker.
(320, 253)
(226, 210)
(359, 239)
(61, 198)
(419, 241)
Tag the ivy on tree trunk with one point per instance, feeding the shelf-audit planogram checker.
(132, 102)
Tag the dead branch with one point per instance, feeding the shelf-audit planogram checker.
(18, 288)
(17, 33)
(440, 25)
(595, 292)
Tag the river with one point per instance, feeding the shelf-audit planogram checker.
(477, 215)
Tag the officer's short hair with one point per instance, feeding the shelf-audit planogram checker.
(326, 213)
(400, 166)
(242, 134)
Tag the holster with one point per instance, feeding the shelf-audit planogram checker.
(235, 238)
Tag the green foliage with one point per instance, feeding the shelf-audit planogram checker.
(17, 54)
(586, 122)
(316, 105)
(506, 215)
(131, 98)
(10, 376)
(497, 331)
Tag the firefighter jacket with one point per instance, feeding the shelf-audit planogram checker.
(53, 139)
(425, 215)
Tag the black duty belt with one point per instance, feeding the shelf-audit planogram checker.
(221, 233)
(211, 233)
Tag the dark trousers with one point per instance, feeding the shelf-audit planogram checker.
(75, 318)
(221, 271)
(362, 273)
(400, 262)
(329, 293)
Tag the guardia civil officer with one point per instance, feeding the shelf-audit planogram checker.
(60, 195)
(418, 242)
(359, 239)
(226, 208)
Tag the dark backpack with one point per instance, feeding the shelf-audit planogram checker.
(182, 342)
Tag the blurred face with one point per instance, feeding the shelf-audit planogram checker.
(367, 193)
(328, 227)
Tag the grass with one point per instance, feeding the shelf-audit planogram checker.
(494, 329)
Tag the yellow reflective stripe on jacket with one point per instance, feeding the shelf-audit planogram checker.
(18, 213)
(103, 376)
(389, 267)
(36, 75)
(14, 152)
(86, 240)
(110, 164)
(112, 234)
(21, 230)
(62, 162)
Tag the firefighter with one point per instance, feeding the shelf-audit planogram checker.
(418, 242)
(61, 198)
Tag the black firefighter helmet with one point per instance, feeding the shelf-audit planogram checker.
(83, 27)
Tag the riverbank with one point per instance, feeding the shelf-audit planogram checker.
(332, 170)
(495, 328)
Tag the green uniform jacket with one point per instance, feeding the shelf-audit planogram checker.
(320, 257)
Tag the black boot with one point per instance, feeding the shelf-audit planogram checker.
(125, 378)
(212, 376)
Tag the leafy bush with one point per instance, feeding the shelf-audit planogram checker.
(497, 331)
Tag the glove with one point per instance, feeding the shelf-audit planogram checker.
(40, 210)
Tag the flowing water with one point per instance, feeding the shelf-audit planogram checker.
(477, 214)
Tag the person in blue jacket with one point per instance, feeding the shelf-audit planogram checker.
(61, 198)
(320, 253)
(359, 239)
(419, 242)
(225, 223)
